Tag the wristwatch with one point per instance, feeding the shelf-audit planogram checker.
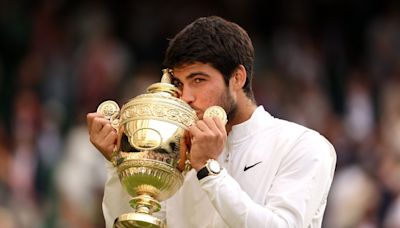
(212, 167)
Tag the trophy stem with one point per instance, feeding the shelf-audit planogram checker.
(144, 203)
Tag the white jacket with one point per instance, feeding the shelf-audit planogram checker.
(276, 174)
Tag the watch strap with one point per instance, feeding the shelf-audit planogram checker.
(203, 172)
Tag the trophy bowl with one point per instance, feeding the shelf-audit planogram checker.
(151, 155)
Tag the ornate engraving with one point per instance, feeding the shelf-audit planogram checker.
(109, 109)
(216, 111)
(161, 110)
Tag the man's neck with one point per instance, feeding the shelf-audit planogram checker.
(245, 108)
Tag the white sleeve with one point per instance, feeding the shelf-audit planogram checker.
(115, 199)
(298, 193)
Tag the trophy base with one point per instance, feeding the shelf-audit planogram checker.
(138, 220)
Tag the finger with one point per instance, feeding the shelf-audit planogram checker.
(202, 126)
(219, 124)
(97, 125)
(194, 131)
(90, 117)
(212, 125)
(105, 140)
(106, 130)
(110, 140)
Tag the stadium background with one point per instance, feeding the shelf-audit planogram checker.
(332, 65)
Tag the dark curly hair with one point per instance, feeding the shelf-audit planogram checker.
(215, 41)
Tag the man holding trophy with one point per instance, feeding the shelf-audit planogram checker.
(249, 169)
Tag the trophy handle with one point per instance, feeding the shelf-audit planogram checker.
(184, 159)
(110, 110)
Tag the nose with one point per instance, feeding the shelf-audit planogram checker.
(187, 95)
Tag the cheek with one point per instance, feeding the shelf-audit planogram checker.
(215, 97)
(208, 98)
(209, 94)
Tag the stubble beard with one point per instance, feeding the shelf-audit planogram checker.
(229, 104)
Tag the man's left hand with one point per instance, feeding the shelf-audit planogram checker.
(208, 137)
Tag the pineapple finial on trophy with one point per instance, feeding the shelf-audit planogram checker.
(166, 77)
(165, 86)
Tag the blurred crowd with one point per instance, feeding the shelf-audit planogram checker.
(333, 66)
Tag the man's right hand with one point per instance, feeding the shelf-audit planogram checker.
(102, 135)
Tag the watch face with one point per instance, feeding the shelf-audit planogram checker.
(214, 166)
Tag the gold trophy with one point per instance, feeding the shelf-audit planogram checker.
(151, 156)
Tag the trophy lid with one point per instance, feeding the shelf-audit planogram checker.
(161, 102)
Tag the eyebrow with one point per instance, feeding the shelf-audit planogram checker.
(194, 74)
(191, 75)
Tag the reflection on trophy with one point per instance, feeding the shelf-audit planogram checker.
(151, 155)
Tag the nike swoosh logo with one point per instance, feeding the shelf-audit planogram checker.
(248, 167)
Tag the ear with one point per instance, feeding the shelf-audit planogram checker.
(238, 78)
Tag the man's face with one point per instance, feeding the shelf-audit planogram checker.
(203, 86)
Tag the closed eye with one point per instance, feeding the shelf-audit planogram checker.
(177, 83)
